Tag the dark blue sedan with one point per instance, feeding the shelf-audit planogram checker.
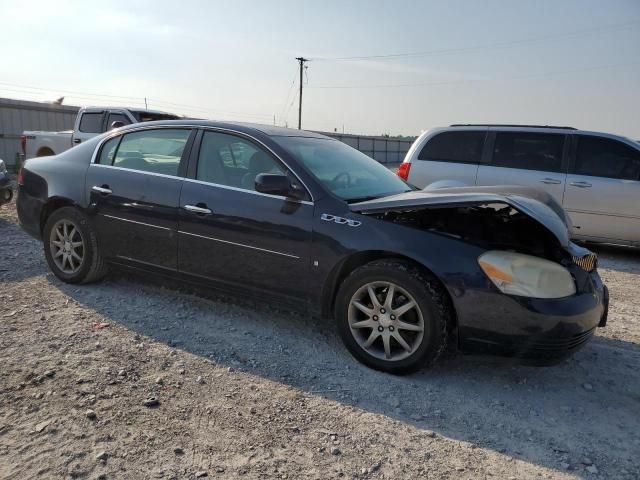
(303, 220)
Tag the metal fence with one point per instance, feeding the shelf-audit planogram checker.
(386, 150)
(17, 116)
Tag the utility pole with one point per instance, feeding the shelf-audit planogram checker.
(301, 60)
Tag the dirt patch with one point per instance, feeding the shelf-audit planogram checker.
(130, 379)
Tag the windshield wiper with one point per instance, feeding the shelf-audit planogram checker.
(362, 199)
(375, 197)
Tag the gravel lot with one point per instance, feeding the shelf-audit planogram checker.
(236, 389)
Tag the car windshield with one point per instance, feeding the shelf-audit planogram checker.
(346, 172)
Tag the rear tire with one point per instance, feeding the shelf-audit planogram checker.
(71, 247)
(414, 319)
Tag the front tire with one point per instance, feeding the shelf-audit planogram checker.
(393, 316)
(71, 247)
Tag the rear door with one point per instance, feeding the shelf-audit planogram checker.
(450, 155)
(603, 190)
(531, 159)
(231, 234)
(134, 189)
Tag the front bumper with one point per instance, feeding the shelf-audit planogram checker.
(541, 331)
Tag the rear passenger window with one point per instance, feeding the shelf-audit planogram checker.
(529, 151)
(91, 123)
(154, 151)
(603, 157)
(462, 147)
(233, 161)
(109, 151)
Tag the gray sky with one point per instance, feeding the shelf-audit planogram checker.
(563, 62)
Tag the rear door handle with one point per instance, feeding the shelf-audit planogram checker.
(103, 190)
(76, 140)
(580, 184)
(200, 210)
(551, 181)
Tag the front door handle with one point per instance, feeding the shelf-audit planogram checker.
(200, 209)
(551, 181)
(103, 190)
(580, 184)
(76, 140)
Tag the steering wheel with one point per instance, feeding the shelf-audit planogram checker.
(339, 179)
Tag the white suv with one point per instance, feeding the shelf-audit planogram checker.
(595, 176)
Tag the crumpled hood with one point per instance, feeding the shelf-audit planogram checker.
(535, 203)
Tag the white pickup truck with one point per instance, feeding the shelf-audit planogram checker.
(90, 121)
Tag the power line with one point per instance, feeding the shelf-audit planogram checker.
(207, 109)
(513, 43)
(93, 97)
(453, 82)
(72, 92)
(293, 100)
(286, 100)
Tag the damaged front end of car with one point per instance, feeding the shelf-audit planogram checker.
(532, 281)
(510, 218)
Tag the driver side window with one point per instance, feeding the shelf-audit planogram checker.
(233, 161)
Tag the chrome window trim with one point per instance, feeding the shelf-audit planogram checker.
(251, 138)
(239, 244)
(117, 132)
(243, 190)
(164, 175)
(203, 128)
(134, 221)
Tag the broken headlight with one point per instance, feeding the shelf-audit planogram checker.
(527, 276)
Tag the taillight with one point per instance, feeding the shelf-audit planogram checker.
(20, 177)
(403, 171)
(23, 144)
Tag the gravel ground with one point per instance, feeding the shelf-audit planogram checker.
(132, 379)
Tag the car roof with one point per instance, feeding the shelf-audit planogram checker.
(244, 127)
(529, 128)
(130, 109)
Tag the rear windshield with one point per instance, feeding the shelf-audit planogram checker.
(142, 116)
(343, 170)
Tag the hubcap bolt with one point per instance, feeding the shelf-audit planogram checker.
(375, 318)
(391, 328)
(393, 317)
(382, 310)
(381, 328)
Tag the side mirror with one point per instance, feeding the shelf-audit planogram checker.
(278, 184)
(116, 124)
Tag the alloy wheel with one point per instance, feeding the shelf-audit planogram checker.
(67, 246)
(386, 321)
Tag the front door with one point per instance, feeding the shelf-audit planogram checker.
(134, 190)
(603, 190)
(90, 124)
(526, 158)
(232, 234)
